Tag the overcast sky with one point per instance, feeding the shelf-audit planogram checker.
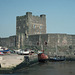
(60, 15)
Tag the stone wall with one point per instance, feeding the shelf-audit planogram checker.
(9, 42)
(37, 25)
(54, 44)
(72, 46)
(4, 42)
(12, 40)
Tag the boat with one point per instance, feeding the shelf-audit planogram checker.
(4, 50)
(57, 58)
(42, 57)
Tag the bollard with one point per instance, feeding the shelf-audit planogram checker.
(26, 59)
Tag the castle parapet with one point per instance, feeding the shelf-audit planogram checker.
(29, 13)
(43, 16)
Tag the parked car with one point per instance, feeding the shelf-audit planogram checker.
(17, 51)
(24, 52)
(32, 51)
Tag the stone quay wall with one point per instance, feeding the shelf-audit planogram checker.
(54, 44)
(9, 42)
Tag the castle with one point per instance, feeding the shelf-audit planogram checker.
(31, 31)
(29, 25)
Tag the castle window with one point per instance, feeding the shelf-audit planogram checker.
(40, 27)
(34, 26)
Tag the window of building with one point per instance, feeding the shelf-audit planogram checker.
(40, 27)
(34, 26)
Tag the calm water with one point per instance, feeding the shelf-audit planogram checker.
(49, 68)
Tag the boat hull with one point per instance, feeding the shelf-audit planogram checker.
(57, 59)
(42, 57)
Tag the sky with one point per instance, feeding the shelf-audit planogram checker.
(60, 15)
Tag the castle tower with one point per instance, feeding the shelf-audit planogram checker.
(29, 25)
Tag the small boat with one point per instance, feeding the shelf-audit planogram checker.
(4, 50)
(42, 57)
(57, 58)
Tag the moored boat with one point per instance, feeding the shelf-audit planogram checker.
(57, 58)
(4, 50)
(42, 57)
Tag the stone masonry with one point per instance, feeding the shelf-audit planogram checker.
(29, 25)
(54, 44)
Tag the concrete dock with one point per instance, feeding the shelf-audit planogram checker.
(12, 60)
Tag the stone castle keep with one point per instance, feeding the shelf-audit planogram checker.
(29, 25)
(31, 31)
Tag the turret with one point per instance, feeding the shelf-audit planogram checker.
(29, 13)
(43, 16)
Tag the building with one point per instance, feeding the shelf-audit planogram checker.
(29, 25)
(31, 31)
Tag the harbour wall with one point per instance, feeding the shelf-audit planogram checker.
(14, 62)
(52, 44)
(9, 42)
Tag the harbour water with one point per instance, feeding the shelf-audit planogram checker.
(49, 68)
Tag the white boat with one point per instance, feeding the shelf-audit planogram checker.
(4, 49)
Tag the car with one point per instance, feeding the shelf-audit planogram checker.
(32, 51)
(24, 52)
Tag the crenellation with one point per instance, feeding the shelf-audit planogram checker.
(43, 16)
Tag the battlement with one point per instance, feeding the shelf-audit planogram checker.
(29, 13)
(43, 16)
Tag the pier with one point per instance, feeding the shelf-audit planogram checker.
(13, 62)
